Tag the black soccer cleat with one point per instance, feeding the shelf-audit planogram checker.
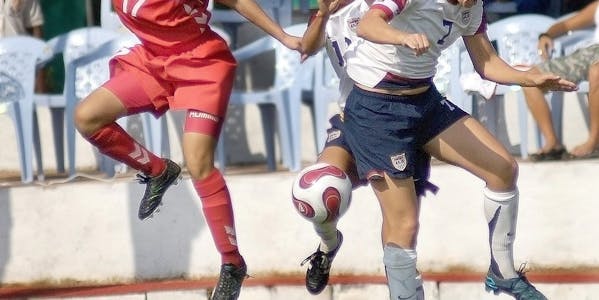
(229, 283)
(317, 275)
(155, 189)
(520, 288)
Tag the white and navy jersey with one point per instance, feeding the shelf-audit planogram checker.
(340, 34)
(370, 63)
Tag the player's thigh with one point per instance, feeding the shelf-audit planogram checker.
(468, 144)
(338, 157)
(99, 108)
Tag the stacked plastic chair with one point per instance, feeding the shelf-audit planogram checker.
(19, 59)
(279, 104)
(70, 45)
(87, 73)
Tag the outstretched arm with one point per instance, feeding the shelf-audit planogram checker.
(252, 11)
(490, 66)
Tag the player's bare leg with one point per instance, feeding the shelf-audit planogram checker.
(469, 145)
(590, 147)
(400, 207)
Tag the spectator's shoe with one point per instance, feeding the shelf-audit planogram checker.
(155, 189)
(518, 287)
(317, 276)
(229, 283)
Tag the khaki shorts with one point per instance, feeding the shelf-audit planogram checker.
(573, 67)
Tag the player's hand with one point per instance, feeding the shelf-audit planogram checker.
(465, 3)
(545, 47)
(415, 41)
(292, 42)
(551, 82)
(326, 7)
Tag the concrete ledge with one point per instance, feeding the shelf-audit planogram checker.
(86, 233)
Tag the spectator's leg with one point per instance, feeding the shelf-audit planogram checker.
(535, 99)
(592, 142)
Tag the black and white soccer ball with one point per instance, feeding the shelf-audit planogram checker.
(321, 193)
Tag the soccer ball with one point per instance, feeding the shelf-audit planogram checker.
(321, 193)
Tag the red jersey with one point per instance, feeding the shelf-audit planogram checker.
(165, 26)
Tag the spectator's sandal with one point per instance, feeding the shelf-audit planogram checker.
(553, 154)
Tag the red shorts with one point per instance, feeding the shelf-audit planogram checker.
(199, 79)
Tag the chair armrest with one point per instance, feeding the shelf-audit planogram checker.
(252, 49)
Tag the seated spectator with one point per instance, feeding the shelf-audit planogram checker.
(21, 17)
(579, 66)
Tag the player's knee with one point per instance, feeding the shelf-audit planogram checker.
(506, 173)
(86, 121)
(199, 166)
(403, 227)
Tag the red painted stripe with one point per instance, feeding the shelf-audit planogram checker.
(562, 277)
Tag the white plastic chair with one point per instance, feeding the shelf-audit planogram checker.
(89, 72)
(70, 45)
(516, 40)
(276, 102)
(19, 58)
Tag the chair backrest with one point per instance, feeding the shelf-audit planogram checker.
(287, 62)
(19, 56)
(78, 42)
(91, 70)
(108, 18)
(279, 10)
(516, 37)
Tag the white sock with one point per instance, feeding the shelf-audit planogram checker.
(403, 279)
(501, 211)
(328, 235)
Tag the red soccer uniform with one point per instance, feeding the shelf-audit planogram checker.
(181, 63)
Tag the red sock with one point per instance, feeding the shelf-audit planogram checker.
(218, 211)
(113, 141)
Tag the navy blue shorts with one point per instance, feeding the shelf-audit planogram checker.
(386, 133)
(336, 137)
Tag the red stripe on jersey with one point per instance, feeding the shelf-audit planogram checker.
(388, 8)
(385, 9)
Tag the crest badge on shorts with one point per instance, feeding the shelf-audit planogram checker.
(399, 161)
(466, 17)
